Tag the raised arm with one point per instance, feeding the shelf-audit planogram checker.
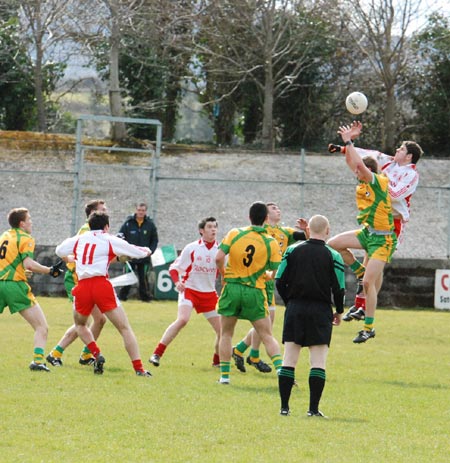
(354, 161)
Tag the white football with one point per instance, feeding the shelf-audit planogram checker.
(356, 103)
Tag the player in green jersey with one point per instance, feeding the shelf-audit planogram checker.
(251, 252)
(376, 235)
(16, 262)
(285, 236)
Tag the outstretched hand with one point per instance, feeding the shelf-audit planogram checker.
(345, 131)
(302, 224)
(356, 129)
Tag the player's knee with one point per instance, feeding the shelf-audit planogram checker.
(182, 322)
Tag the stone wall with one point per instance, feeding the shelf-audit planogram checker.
(408, 283)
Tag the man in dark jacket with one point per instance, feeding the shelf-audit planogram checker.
(140, 230)
(309, 279)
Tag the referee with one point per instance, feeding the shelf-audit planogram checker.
(309, 274)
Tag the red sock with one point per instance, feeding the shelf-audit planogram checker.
(160, 349)
(216, 359)
(360, 301)
(137, 365)
(92, 346)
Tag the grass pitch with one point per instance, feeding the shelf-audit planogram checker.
(388, 399)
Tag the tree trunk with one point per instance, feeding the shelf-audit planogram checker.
(267, 124)
(118, 129)
(390, 122)
(39, 92)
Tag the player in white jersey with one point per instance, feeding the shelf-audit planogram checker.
(403, 180)
(194, 273)
(92, 252)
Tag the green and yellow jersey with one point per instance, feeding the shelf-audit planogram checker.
(374, 204)
(15, 246)
(70, 277)
(251, 251)
(283, 235)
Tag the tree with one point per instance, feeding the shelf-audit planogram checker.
(430, 88)
(152, 68)
(118, 130)
(380, 30)
(132, 51)
(262, 41)
(15, 77)
(43, 29)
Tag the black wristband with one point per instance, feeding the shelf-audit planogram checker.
(347, 143)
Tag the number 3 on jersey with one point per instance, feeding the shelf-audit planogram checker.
(250, 250)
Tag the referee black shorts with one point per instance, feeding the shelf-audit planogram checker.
(308, 323)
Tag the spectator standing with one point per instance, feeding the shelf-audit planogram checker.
(140, 230)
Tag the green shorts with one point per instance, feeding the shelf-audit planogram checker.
(244, 302)
(16, 295)
(270, 291)
(69, 284)
(380, 247)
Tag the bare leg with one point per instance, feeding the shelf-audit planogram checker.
(96, 327)
(372, 283)
(291, 354)
(318, 356)
(36, 318)
(82, 328)
(264, 329)
(183, 317)
(226, 336)
(119, 319)
(343, 243)
(99, 320)
(215, 323)
(256, 340)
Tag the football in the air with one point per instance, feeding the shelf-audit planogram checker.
(356, 103)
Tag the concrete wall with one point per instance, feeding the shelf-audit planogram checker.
(407, 283)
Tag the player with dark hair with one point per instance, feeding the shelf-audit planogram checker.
(376, 235)
(194, 273)
(70, 281)
(309, 275)
(251, 252)
(403, 181)
(92, 252)
(284, 236)
(16, 260)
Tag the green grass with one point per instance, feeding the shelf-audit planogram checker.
(388, 400)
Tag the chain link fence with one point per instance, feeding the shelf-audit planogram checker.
(181, 188)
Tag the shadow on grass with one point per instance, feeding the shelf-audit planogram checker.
(410, 385)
